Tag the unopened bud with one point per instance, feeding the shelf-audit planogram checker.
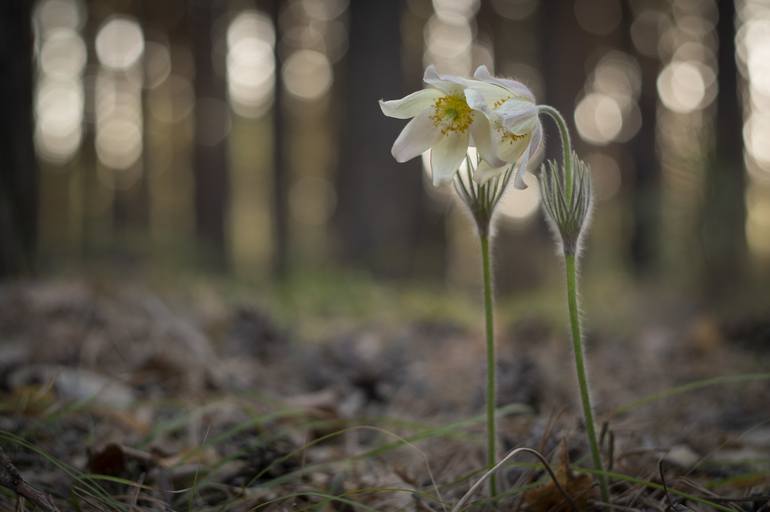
(567, 210)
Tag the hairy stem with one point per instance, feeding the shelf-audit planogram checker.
(491, 381)
(566, 144)
(585, 395)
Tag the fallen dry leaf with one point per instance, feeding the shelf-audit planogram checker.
(548, 497)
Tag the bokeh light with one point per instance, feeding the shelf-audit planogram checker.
(453, 9)
(646, 30)
(119, 120)
(250, 63)
(157, 66)
(250, 24)
(307, 75)
(756, 135)
(173, 101)
(325, 10)
(448, 43)
(521, 205)
(62, 54)
(682, 87)
(598, 118)
(53, 14)
(119, 43)
(59, 94)
(59, 117)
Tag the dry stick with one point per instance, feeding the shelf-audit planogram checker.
(665, 485)
(11, 479)
(512, 454)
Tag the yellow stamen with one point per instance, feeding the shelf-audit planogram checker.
(506, 135)
(499, 103)
(452, 114)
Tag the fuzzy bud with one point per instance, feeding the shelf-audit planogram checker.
(569, 215)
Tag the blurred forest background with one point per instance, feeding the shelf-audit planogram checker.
(243, 137)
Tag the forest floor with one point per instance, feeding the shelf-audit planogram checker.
(121, 398)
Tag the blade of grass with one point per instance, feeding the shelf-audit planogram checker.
(440, 431)
(652, 485)
(686, 388)
(340, 499)
(95, 491)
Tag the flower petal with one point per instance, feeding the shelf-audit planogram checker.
(446, 156)
(510, 150)
(478, 101)
(518, 116)
(534, 147)
(518, 88)
(521, 170)
(448, 84)
(537, 140)
(411, 105)
(485, 171)
(521, 124)
(417, 136)
(481, 132)
(486, 97)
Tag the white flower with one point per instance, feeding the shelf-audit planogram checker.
(443, 121)
(514, 126)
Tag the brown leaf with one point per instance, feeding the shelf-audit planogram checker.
(110, 460)
(548, 497)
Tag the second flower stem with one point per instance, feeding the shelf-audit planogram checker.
(566, 144)
(491, 379)
(585, 395)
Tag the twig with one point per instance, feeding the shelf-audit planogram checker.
(11, 479)
(665, 485)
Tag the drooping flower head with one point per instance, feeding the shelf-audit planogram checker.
(441, 120)
(514, 127)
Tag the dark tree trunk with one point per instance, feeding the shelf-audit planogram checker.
(211, 166)
(564, 52)
(280, 213)
(18, 167)
(723, 212)
(644, 241)
(381, 211)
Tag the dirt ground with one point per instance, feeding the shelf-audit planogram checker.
(117, 398)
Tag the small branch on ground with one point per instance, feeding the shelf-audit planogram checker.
(11, 479)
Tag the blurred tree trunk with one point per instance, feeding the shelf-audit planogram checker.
(280, 204)
(382, 219)
(564, 54)
(724, 210)
(211, 165)
(645, 197)
(18, 167)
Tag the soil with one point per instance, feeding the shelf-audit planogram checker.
(202, 404)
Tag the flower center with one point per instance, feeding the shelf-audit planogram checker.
(452, 114)
(507, 135)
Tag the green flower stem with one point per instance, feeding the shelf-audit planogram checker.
(566, 143)
(585, 396)
(491, 380)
